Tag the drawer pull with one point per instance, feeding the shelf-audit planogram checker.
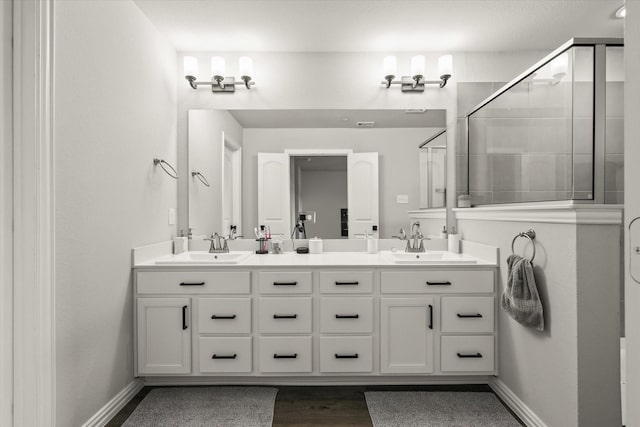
(346, 356)
(285, 356)
(430, 316)
(470, 356)
(217, 317)
(347, 283)
(347, 316)
(233, 356)
(467, 316)
(439, 283)
(285, 283)
(285, 316)
(192, 284)
(184, 317)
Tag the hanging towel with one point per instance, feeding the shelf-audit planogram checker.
(520, 299)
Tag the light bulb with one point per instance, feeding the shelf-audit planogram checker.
(445, 65)
(245, 66)
(217, 66)
(390, 67)
(417, 65)
(190, 66)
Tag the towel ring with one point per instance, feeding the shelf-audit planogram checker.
(201, 177)
(172, 172)
(531, 234)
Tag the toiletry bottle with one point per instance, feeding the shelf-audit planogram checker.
(180, 243)
(453, 242)
(443, 233)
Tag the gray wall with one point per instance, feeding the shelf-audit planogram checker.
(398, 164)
(632, 206)
(325, 192)
(6, 214)
(115, 110)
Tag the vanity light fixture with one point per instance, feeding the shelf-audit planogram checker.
(621, 12)
(219, 82)
(416, 82)
(552, 73)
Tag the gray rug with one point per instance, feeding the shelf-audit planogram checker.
(205, 406)
(435, 409)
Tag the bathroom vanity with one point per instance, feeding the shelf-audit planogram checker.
(340, 314)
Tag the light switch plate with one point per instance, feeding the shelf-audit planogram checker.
(172, 216)
(402, 199)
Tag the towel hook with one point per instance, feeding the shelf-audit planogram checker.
(173, 174)
(530, 234)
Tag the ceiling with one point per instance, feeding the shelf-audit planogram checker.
(379, 25)
(264, 119)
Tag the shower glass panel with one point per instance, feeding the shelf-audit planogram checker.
(536, 139)
(614, 142)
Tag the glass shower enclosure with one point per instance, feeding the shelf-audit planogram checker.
(554, 132)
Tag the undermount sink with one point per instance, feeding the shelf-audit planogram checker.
(202, 257)
(430, 257)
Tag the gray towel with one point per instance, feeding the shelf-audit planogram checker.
(520, 299)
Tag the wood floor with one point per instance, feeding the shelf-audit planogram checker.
(318, 406)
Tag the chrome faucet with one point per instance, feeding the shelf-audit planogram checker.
(403, 236)
(216, 238)
(416, 242)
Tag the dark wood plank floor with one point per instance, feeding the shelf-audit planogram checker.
(301, 406)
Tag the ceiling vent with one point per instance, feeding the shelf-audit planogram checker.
(365, 124)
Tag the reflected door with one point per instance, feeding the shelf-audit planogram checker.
(273, 192)
(362, 193)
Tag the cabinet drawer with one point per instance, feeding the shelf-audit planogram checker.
(285, 354)
(436, 281)
(285, 282)
(192, 282)
(224, 315)
(467, 314)
(287, 315)
(225, 354)
(346, 282)
(346, 354)
(346, 315)
(467, 354)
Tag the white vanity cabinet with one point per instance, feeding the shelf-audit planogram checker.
(438, 321)
(164, 335)
(406, 335)
(364, 322)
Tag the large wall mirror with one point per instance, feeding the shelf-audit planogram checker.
(342, 173)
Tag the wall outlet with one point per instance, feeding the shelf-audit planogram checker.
(402, 199)
(172, 216)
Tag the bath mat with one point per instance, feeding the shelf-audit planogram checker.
(436, 409)
(205, 406)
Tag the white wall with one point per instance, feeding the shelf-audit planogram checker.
(397, 150)
(206, 148)
(567, 374)
(632, 206)
(6, 214)
(115, 110)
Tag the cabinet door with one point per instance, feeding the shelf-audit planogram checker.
(164, 336)
(406, 335)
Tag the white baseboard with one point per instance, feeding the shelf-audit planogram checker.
(108, 411)
(313, 381)
(517, 406)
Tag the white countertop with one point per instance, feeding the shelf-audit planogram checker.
(326, 259)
